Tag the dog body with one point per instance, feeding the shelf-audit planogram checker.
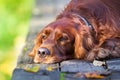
(86, 29)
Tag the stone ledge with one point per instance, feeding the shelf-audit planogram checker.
(20, 74)
(67, 72)
(114, 64)
(79, 66)
(82, 66)
(76, 66)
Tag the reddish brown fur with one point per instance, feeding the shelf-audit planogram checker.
(103, 41)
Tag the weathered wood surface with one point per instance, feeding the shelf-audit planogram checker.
(39, 20)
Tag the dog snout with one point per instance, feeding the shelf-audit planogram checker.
(42, 52)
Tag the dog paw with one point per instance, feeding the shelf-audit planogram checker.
(103, 54)
(98, 54)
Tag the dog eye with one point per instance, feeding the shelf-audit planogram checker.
(43, 36)
(63, 38)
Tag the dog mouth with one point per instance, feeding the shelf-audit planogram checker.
(48, 60)
(51, 59)
(45, 55)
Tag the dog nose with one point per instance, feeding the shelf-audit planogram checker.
(42, 52)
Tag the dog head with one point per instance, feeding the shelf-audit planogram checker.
(62, 39)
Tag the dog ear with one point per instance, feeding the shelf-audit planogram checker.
(79, 50)
(84, 42)
(37, 42)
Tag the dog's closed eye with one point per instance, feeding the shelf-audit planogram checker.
(43, 36)
(63, 38)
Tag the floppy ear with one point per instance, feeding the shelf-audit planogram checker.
(79, 50)
(38, 42)
(84, 42)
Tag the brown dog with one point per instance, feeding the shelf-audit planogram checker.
(86, 29)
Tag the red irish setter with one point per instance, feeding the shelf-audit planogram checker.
(86, 29)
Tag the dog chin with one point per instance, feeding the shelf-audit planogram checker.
(48, 60)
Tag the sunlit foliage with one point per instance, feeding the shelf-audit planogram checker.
(14, 23)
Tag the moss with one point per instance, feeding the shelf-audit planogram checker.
(62, 75)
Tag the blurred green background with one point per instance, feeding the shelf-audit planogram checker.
(14, 24)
